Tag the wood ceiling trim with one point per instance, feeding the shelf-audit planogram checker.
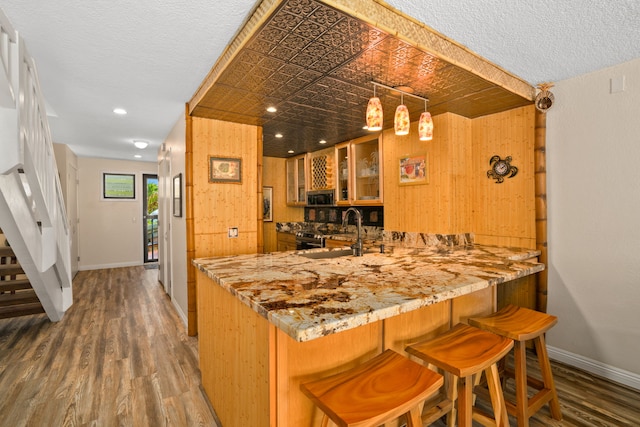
(259, 15)
(384, 17)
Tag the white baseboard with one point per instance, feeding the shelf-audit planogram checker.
(609, 372)
(181, 314)
(103, 266)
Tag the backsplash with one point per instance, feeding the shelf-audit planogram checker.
(371, 215)
(414, 239)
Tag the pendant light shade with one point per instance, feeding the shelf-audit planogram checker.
(374, 112)
(425, 127)
(401, 121)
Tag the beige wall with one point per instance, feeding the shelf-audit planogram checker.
(593, 149)
(110, 232)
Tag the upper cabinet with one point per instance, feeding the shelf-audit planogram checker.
(321, 167)
(359, 171)
(296, 180)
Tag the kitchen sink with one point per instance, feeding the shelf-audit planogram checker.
(328, 254)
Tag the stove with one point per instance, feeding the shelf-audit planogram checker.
(309, 240)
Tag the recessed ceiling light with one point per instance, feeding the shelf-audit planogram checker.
(278, 135)
(322, 141)
(138, 156)
(120, 111)
(272, 109)
(290, 151)
(141, 144)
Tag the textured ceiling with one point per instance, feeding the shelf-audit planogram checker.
(150, 56)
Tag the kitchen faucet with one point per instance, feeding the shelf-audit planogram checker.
(357, 246)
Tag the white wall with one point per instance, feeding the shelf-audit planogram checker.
(110, 232)
(174, 151)
(593, 164)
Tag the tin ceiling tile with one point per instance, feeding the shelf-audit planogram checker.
(316, 64)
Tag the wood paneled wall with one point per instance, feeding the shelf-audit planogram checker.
(504, 214)
(443, 204)
(213, 208)
(274, 176)
(459, 196)
(219, 206)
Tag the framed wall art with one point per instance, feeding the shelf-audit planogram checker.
(267, 204)
(413, 169)
(225, 169)
(177, 195)
(118, 186)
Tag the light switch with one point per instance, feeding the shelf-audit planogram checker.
(233, 232)
(617, 84)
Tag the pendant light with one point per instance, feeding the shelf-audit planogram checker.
(374, 112)
(401, 121)
(425, 125)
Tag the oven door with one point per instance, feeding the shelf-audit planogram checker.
(308, 243)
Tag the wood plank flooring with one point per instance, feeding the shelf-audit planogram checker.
(121, 357)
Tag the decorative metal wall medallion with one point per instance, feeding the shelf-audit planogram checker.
(544, 99)
(501, 168)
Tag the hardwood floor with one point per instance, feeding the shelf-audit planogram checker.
(121, 357)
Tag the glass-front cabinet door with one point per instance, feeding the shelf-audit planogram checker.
(343, 177)
(359, 171)
(296, 180)
(366, 161)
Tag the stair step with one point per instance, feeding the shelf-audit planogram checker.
(14, 285)
(6, 251)
(20, 310)
(10, 269)
(18, 298)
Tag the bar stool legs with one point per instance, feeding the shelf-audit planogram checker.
(521, 325)
(462, 353)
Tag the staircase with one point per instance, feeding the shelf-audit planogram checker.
(17, 297)
(32, 212)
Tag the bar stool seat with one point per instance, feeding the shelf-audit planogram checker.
(463, 352)
(378, 391)
(521, 325)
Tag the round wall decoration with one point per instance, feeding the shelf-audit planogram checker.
(544, 98)
(501, 168)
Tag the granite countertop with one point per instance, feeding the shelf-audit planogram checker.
(310, 298)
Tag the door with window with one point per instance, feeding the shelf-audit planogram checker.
(150, 215)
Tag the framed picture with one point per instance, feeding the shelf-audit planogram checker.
(413, 169)
(225, 169)
(177, 195)
(118, 186)
(267, 204)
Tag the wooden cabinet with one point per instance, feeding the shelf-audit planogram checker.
(286, 241)
(359, 177)
(296, 173)
(321, 167)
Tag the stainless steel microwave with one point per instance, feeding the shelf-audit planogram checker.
(320, 198)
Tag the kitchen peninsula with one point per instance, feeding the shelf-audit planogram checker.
(269, 322)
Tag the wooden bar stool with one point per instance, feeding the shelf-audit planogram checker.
(463, 352)
(378, 391)
(521, 325)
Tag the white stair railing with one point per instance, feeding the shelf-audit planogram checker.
(32, 212)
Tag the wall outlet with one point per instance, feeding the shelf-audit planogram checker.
(232, 232)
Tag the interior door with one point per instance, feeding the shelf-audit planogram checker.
(150, 215)
(72, 215)
(164, 223)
